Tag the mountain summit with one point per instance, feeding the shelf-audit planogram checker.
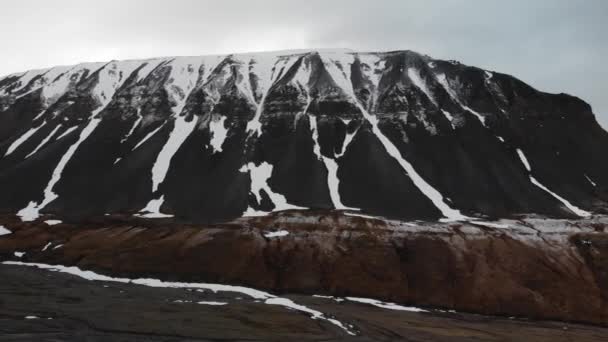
(212, 138)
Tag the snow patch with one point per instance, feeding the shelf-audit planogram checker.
(53, 222)
(68, 131)
(148, 136)
(23, 139)
(442, 79)
(4, 231)
(576, 210)
(279, 233)
(19, 254)
(44, 142)
(47, 246)
(211, 303)
(259, 175)
(590, 181)
(414, 75)
(385, 305)
(333, 182)
(152, 209)
(218, 133)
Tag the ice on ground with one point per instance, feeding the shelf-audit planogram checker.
(385, 305)
(53, 222)
(211, 303)
(4, 231)
(279, 233)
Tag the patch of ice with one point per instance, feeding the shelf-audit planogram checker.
(4, 231)
(576, 210)
(218, 133)
(44, 142)
(385, 305)
(279, 233)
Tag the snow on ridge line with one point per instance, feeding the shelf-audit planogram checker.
(342, 80)
(576, 210)
(253, 293)
(148, 136)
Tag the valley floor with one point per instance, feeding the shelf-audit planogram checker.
(40, 305)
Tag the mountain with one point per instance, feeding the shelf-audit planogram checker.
(208, 139)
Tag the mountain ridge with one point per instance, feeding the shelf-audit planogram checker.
(302, 115)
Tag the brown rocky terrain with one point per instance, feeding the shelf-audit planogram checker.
(531, 267)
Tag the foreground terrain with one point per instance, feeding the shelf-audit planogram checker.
(39, 305)
(432, 273)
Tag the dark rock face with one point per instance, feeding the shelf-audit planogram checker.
(206, 139)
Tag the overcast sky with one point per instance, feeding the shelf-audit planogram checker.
(554, 45)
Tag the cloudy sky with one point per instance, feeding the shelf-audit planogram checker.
(554, 45)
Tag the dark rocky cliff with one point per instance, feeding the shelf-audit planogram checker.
(207, 139)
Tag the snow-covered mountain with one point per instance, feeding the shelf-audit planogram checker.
(210, 138)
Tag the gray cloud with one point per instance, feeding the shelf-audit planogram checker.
(554, 45)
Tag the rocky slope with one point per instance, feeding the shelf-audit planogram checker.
(211, 138)
(535, 268)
